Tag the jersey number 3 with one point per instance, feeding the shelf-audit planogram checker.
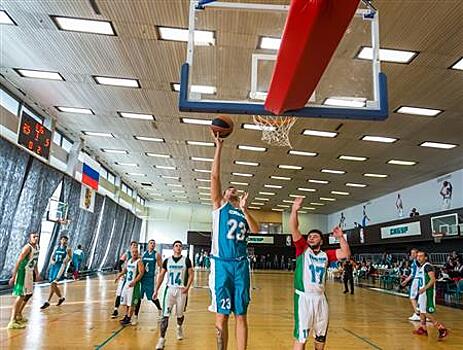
(236, 229)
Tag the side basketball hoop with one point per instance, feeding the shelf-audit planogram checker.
(275, 129)
(438, 237)
(64, 223)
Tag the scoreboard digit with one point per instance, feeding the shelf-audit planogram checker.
(34, 136)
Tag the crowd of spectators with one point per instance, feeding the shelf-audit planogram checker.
(271, 262)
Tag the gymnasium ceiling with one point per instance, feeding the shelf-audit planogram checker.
(432, 28)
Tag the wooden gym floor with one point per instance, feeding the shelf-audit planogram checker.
(366, 320)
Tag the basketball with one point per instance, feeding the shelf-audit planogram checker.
(223, 125)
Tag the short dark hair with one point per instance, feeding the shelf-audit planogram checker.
(228, 189)
(79, 246)
(66, 237)
(152, 240)
(316, 231)
(178, 241)
(134, 242)
(414, 249)
(422, 251)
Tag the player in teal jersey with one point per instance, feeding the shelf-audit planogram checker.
(151, 260)
(59, 260)
(23, 280)
(77, 260)
(413, 292)
(229, 279)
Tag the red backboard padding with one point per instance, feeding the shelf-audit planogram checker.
(312, 33)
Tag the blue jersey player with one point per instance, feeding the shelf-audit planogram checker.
(413, 294)
(229, 280)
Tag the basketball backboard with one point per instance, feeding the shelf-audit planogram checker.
(232, 48)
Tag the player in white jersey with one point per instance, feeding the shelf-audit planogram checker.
(23, 279)
(229, 279)
(180, 275)
(427, 295)
(310, 304)
(413, 293)
(130, 293)
(121, 264)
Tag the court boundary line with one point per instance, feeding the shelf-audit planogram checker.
(111, 337)
(364, 339)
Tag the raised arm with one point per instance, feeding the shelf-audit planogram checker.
(216, 187)
(294, 221)
(253, 224)
(24, 252)
(344, 251)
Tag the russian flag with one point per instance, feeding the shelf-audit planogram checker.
(90, 176)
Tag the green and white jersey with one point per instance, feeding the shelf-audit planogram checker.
(132, 270)
(311, 267)
(423, 276)
(32, 258)
(177, 271)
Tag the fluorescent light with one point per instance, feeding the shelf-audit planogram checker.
(309, 132)
(290, 167)
(174, 185)
(240, 162)
(354, 102)
(388, 55)
(269, 43)
(149, 139)
(353, 158)
(239, 183)
(428, 112)
(201, 37)
(304, 189)
(39, 74)
(331, 171)
(458, 65)
(256, 208)
(98, 134)
(328, 199)
(401, 162)
(196, 121)
(287, 201)
(202, 171)
(204, 199)
(283, 205)
(5, 18)
(303, 153)
(180, 201)
(200, 89)
(267, 193)
(177, 191)
(379, 139)
(302, 212)
(208, 204)
(203, 180)
(297, 196)
(170, 177)
(273, 186)
(200, 143)
(74, 110)
(258, 95)
(324, 182)
(252, 148)
(341, 193)
(281, 178)
(126, 164)
(258, 203)
(308, 208)
(261, 199)
(201, 159)
(158, 155)
(136, 174)
(142, 116)
(116, 151)
(277, 209)
(165, 167)
(243, 174)
(114, 81)
(84, 25)
(249, 126)
(180, 196)
(351, 184)
(204, 188)
(317, 204)
(375, 175)
(204, 194)
(438, 145)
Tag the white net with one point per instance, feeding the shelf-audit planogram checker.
(275, 129)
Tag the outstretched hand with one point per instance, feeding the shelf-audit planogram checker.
(337, 232)
(217, 140)
(244, 201)
(297, 205)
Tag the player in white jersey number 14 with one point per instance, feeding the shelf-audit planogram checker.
(310, 304)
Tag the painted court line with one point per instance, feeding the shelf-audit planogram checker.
(373, 345)
(111, 337)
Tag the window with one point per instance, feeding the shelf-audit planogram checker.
(104, 172)
(127, 189)
(9, 102)
(62, 140)
(57, 138)
(66, 144)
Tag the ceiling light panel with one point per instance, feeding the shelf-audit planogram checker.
(170, 177)
(202, 159)
(332, 171)
(388, 55)
(427, 112)
(261, 199)
(165, 167)
(269, 43)
(302, 153)
(77, 110)
(458, 65)
(149, 139)
(158, 155)
(252, 148)
(273, 186)
(202, 171)
(201, 37)
(249, 126)
(379, 139)
(283, 178)
(305, 189)
(115, 81)
(140, 116)
(239, 183)
(200, 89)
(115, 151)
(126, 164)
(315, 181)
(203, 180)
(39, 74)
(240, 162)
(319, 133)
(200, 143)
(352, 184)
(5, 18)
(243, 174)
(351, 102)
(375, 175)
(98, 134)
(340, 193)
(401, 162)
(353, 158)
(195, 121)
(438, 145)
(290, 167)
(267, 193)
(84, 25)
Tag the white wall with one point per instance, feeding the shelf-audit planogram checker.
(307, 222)
(424, 197)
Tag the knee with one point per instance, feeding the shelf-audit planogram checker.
(221, 320)
(241, 319)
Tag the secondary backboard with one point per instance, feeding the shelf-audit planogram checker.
(232, 48)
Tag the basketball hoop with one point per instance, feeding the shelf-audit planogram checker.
(275, 129)
(64, 223)
(438, 237)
